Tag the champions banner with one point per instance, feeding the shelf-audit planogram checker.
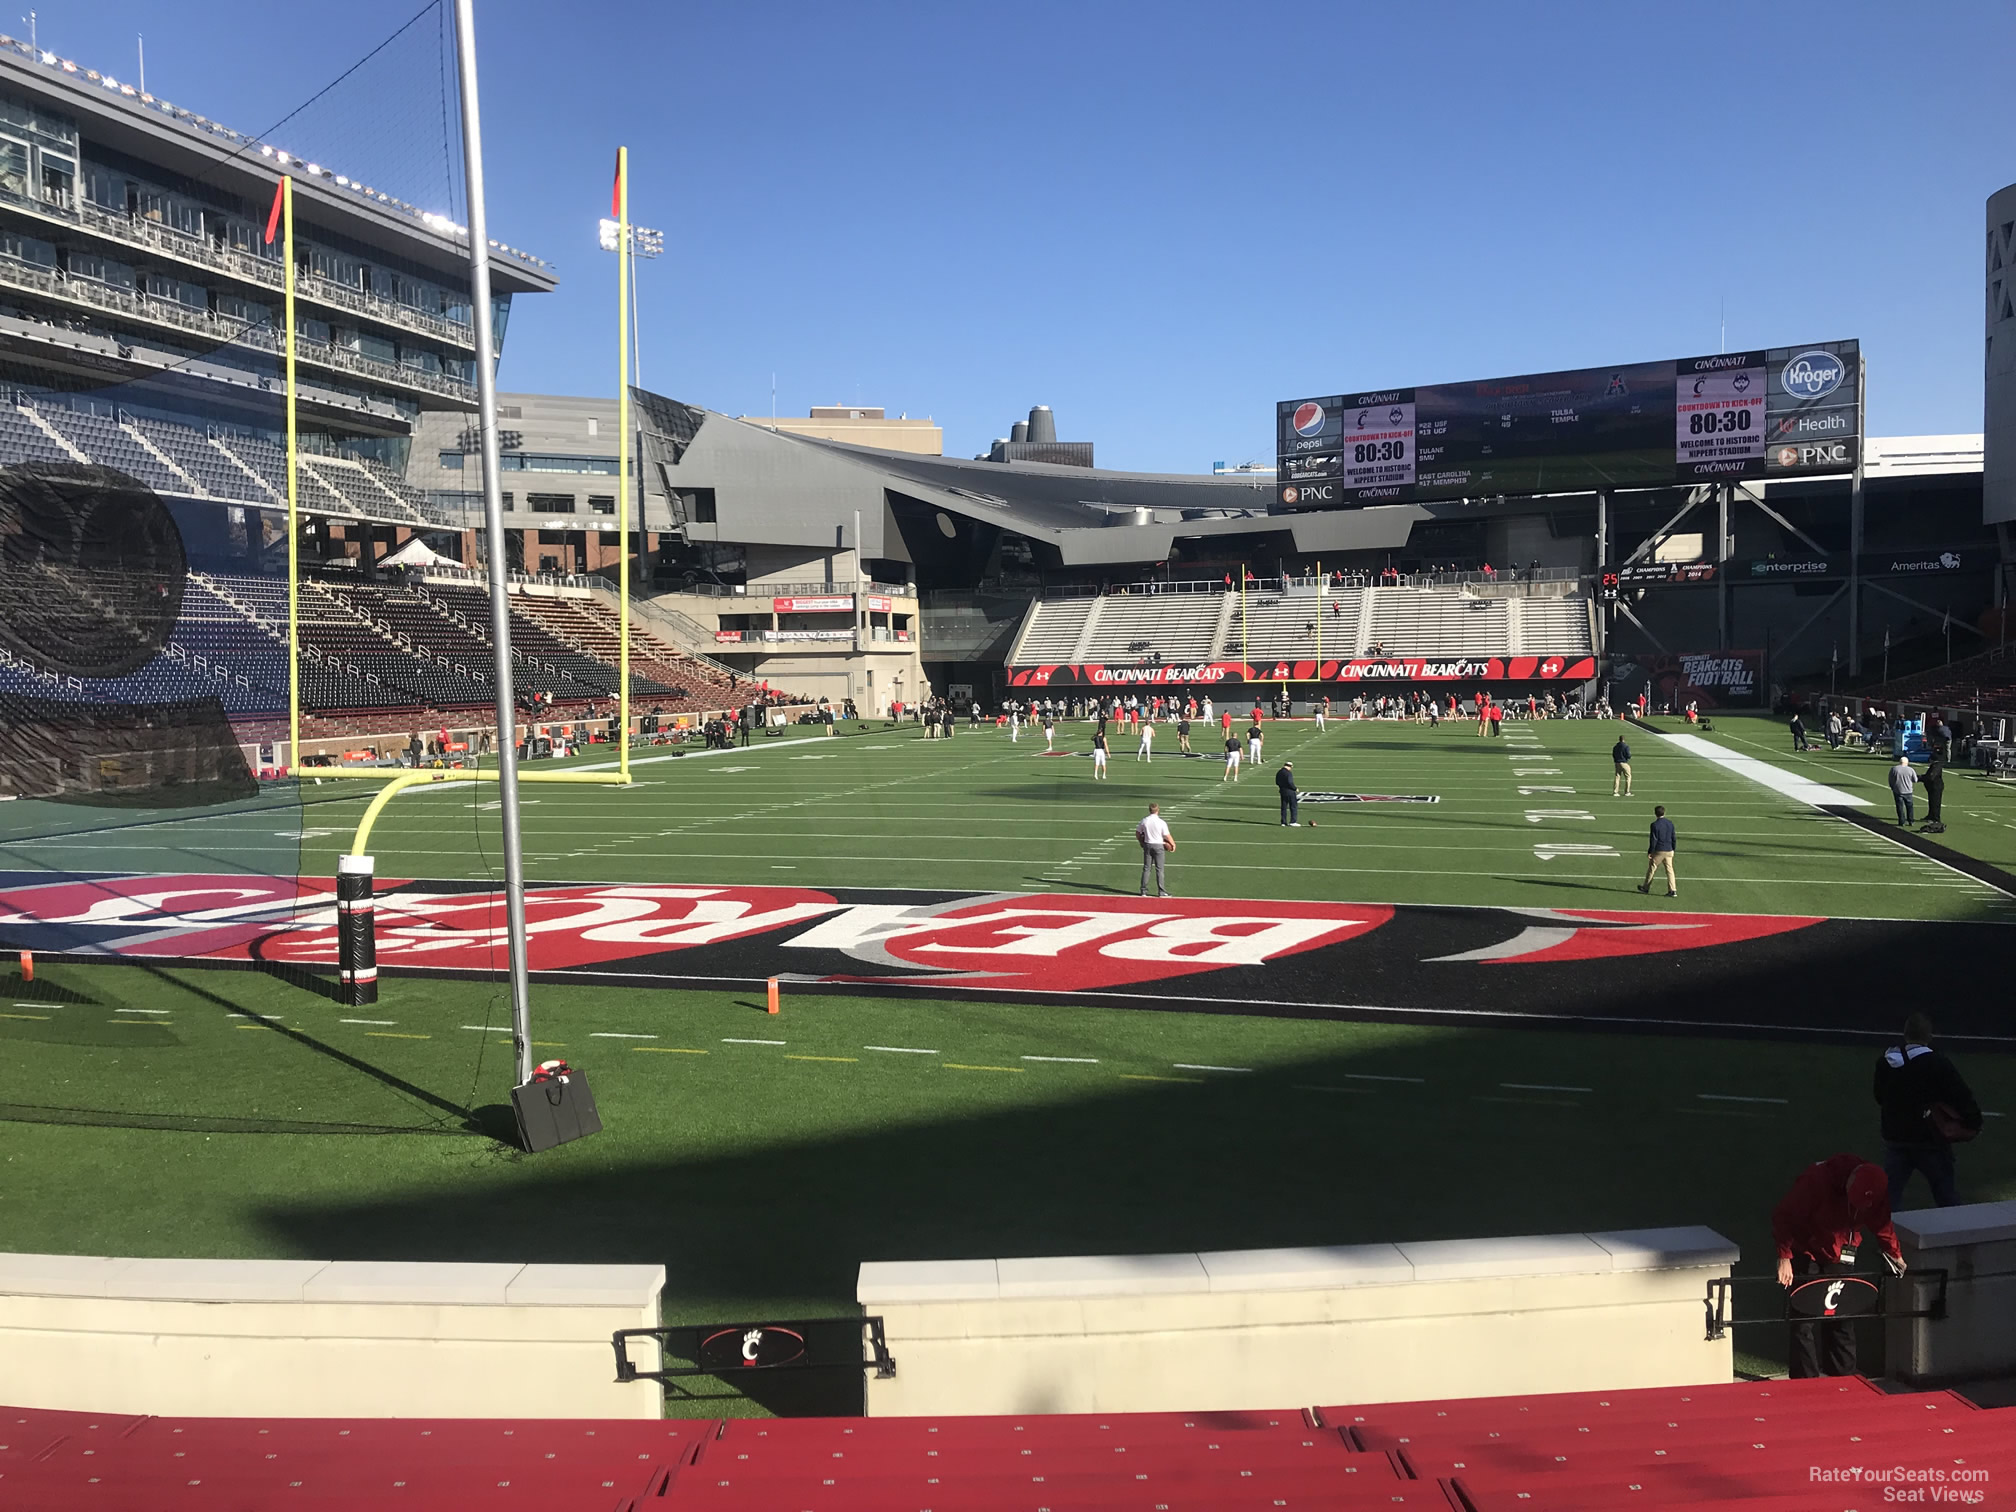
(1387, 669)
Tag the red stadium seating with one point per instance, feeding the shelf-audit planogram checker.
(1755, 1446)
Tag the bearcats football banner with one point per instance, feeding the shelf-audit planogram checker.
(1385, 669)
(1749, 973)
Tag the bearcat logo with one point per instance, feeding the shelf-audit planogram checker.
(1071, 943)
(745, 1347)
(1835, 1297)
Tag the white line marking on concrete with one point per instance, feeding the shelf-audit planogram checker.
(753, 1042)
(381, 1023)
(898, 1050)
(1186, 1066)
(612, 1034)
(1540, 1087)
(115, 1010)
(1086, 1060)
(1732, 1097)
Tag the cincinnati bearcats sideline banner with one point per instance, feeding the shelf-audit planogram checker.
(1388, 669)
(1831, 977)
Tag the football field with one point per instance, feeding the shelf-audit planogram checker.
(154, 1107)
(1524, 820)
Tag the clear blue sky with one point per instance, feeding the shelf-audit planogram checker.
(1161, 218)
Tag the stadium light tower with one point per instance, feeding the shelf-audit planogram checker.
(644, 243)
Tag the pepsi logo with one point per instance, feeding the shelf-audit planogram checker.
(1813, 375)
(1309, 418)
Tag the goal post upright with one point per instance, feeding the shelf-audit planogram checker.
(293, 487)
(623, 462)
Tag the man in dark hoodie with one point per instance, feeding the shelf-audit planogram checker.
(1926, 1106)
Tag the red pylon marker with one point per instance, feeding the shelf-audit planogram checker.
(773, 995)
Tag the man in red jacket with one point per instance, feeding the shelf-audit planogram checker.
(1833, 1204)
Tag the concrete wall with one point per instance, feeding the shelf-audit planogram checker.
(1976, 1246)
(315, 1338)
(1274, 1328)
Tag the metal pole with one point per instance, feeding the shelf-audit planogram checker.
(1722, 567)
(1855, 528)
(1602, 566)
(493, 521)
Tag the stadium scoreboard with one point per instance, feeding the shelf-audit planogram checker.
(1782, 412)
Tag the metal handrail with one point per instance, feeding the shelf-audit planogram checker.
(266, 272)
(176, 316)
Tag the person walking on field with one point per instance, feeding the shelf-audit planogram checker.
(1903, 788)
(1927, 1109)
(1833, 1207)
(1660, 853)
(1156, 843)
(1620, 760)
(1291, 800)
(1099, 752)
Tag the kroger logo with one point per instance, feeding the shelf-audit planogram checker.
(1813, 375)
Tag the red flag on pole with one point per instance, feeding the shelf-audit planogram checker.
(616, 191)
(273, 217)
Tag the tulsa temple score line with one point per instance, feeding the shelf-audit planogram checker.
(1782, 412)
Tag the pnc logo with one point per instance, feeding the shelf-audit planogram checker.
(1813, 375)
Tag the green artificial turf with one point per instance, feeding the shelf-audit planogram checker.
(155, 1111)
(881, 808)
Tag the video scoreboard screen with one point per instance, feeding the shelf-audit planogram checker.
(1785, 412)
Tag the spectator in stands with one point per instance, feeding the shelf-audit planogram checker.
(1817, 1224)
(1156, 843)
(1903, 789)
(1659, 852)
(1291, 800)
(1927, 1108)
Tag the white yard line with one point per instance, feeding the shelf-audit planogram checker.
(1791, 784)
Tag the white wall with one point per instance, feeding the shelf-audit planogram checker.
(1245, 1329)
(316, 1338)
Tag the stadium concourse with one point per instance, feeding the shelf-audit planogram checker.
(1798, 1446)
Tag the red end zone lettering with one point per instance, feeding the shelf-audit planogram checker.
(1067, 943)
(565, 926)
